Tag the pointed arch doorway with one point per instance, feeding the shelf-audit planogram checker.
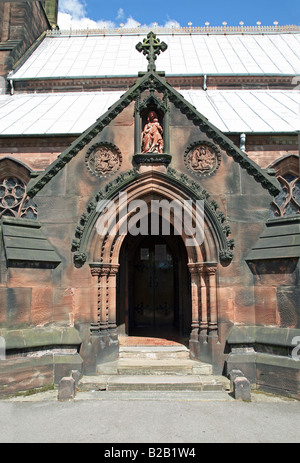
(195, 269)
(155, 280)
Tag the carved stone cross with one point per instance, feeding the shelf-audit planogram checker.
(151, 47)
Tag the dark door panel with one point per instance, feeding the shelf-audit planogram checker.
(153, 285)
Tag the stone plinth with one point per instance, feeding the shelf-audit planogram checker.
(152, 162)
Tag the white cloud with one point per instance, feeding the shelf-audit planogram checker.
(172, 23)
(67, 21)
(121, 14)
(73, 14)
(77, 8)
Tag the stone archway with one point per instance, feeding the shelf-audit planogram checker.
(202, 260)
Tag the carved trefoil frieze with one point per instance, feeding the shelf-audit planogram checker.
(203, 158)
(103, 159)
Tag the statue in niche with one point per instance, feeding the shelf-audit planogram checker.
(153, 135)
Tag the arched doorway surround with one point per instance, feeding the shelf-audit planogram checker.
(202, 260)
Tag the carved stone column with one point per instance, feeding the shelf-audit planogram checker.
(213, 303)
(204, 301)
(204, 308)
(194, 270)
(103, 345)
(96, 316)
(106, 296)
(112, 296)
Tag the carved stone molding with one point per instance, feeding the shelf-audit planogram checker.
(163, 159)
(104, 269)
(203, 268)
(203, 158)
(80, 258)
(103, 159)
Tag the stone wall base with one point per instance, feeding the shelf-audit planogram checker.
(29, 374)
(98, 347)
(37, 358)
(264, 355)
(209, 350)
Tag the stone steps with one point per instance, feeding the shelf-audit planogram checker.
(116, 383)
(154, 353)
(156, 368)
(162, 367)
(156, 361)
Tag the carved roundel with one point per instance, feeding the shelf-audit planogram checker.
(103, 159)
(202, 158)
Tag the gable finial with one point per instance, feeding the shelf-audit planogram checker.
(151, 47)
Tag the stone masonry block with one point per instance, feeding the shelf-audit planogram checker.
(76, 375)
(242, 389)
(233, 375)
(66, 389)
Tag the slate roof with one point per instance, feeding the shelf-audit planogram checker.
(84, 55)
(155, 81)
(24, 241)
(231, 111)
(279, 240)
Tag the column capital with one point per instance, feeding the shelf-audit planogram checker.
(203, 267)
(211, 270)
(104, 269)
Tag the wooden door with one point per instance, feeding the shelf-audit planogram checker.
(153, 285)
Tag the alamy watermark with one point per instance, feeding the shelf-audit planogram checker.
(3, 85)
(296, 350)
(138, 217)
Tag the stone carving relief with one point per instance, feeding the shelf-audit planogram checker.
(203, 158)
(103, 159)
(153, 135)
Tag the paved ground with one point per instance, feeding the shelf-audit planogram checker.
(154, 418)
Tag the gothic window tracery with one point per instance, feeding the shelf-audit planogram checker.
(13, 199)
(287, 203)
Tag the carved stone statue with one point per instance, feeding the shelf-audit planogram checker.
(153, 135)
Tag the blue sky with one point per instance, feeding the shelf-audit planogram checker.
(111, 13)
